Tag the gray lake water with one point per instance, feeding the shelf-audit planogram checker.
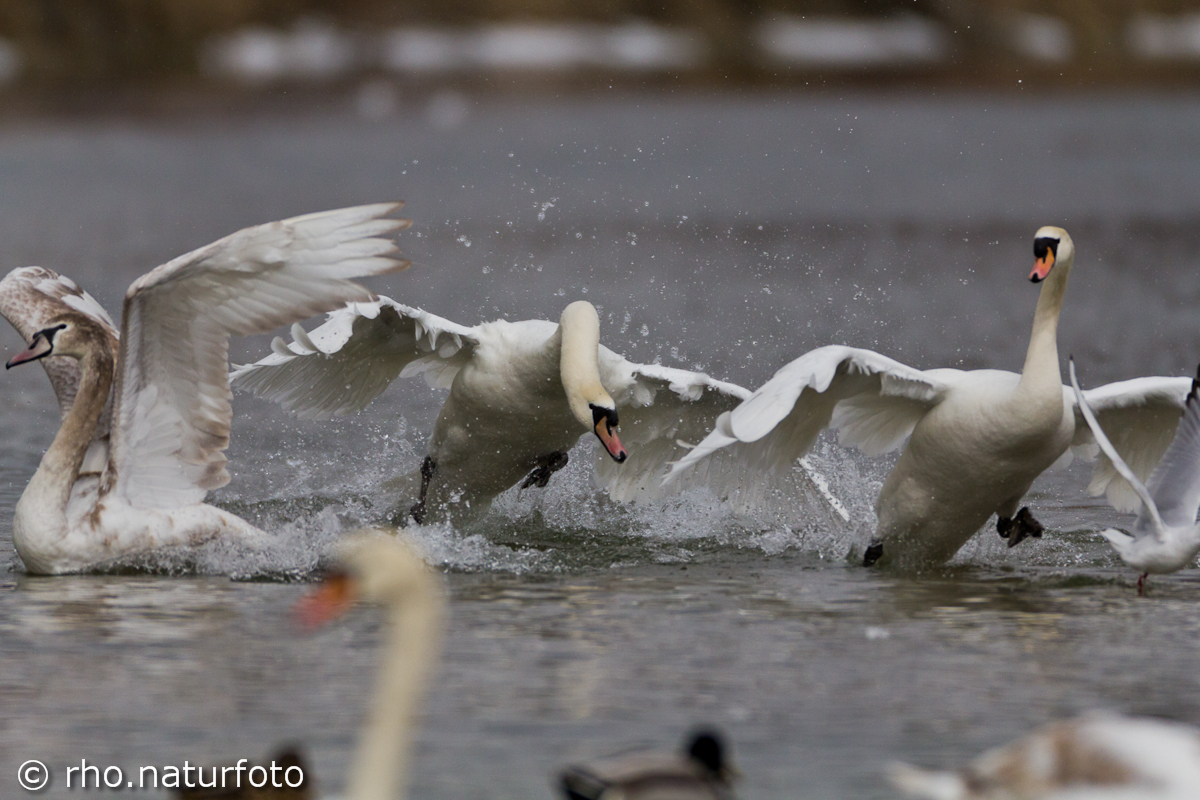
(726, 233)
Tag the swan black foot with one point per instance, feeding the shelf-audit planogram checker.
(540, 475)
(417, 512)
(1142, 584)
(874, 553)
(1018, 528)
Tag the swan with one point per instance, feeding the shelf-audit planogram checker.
(380, 568)
(521, 393)
(376, 567)
(1165, 535)
(170, 414)
(1097, 756)
(701, 772)
(976, 439)
(29, 298)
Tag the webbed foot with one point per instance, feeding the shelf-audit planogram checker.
(1018, 528)
(540, 475)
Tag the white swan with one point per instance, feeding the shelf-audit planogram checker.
(977, 439)
(1098, 756)
(170, 411)
(1165, 535)
(521, 393)
(380, 568)
(701, 772)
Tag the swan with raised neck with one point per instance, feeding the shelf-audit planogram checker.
(41, 512)
(379, 568)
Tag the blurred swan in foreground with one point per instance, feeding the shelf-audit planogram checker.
(91, 502)
(976, 439)
(520, 395)
(700, 772)
(1165, 535)
(379, 568)
(1098, 757)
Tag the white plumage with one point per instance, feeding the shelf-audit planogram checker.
(1165, 535)
(171, 414)
(521, 393)
(976, 439)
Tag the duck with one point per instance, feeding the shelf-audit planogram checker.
(1165, 537)
(1098, 755)
(375, 566)
(166, 392)
(976, 439)
(520, 396)
(701, 771)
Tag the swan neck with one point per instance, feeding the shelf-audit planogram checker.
(59, 468)
(579, 361)
(1041, 360)
(382, 760)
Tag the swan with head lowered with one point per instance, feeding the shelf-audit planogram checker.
(521, 394)
(976, 439)
(163, 394)
(1166, 536)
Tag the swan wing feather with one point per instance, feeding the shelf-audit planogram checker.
(659, 408)
(29, 298)
(344, 364)
(875, 401)
(172, 409)
(1140, 417)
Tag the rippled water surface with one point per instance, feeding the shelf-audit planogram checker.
(723, 233)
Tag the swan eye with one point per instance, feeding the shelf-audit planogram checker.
(48, 333)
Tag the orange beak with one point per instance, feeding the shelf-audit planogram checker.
(327, 602)
(1041, 267)
(608, 438)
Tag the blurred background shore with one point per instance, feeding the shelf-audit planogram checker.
(114, 54)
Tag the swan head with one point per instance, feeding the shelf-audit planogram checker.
(371, 566)
(579, 368)
(604, 425)
(72, 336)
(1051, 245)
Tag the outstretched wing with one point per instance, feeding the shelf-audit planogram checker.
(29, 298)
(659, 407)
(348, 361)
(1140, 417)
(1175, 482)
(1084, 408)
(874, 401)
(172, 399)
